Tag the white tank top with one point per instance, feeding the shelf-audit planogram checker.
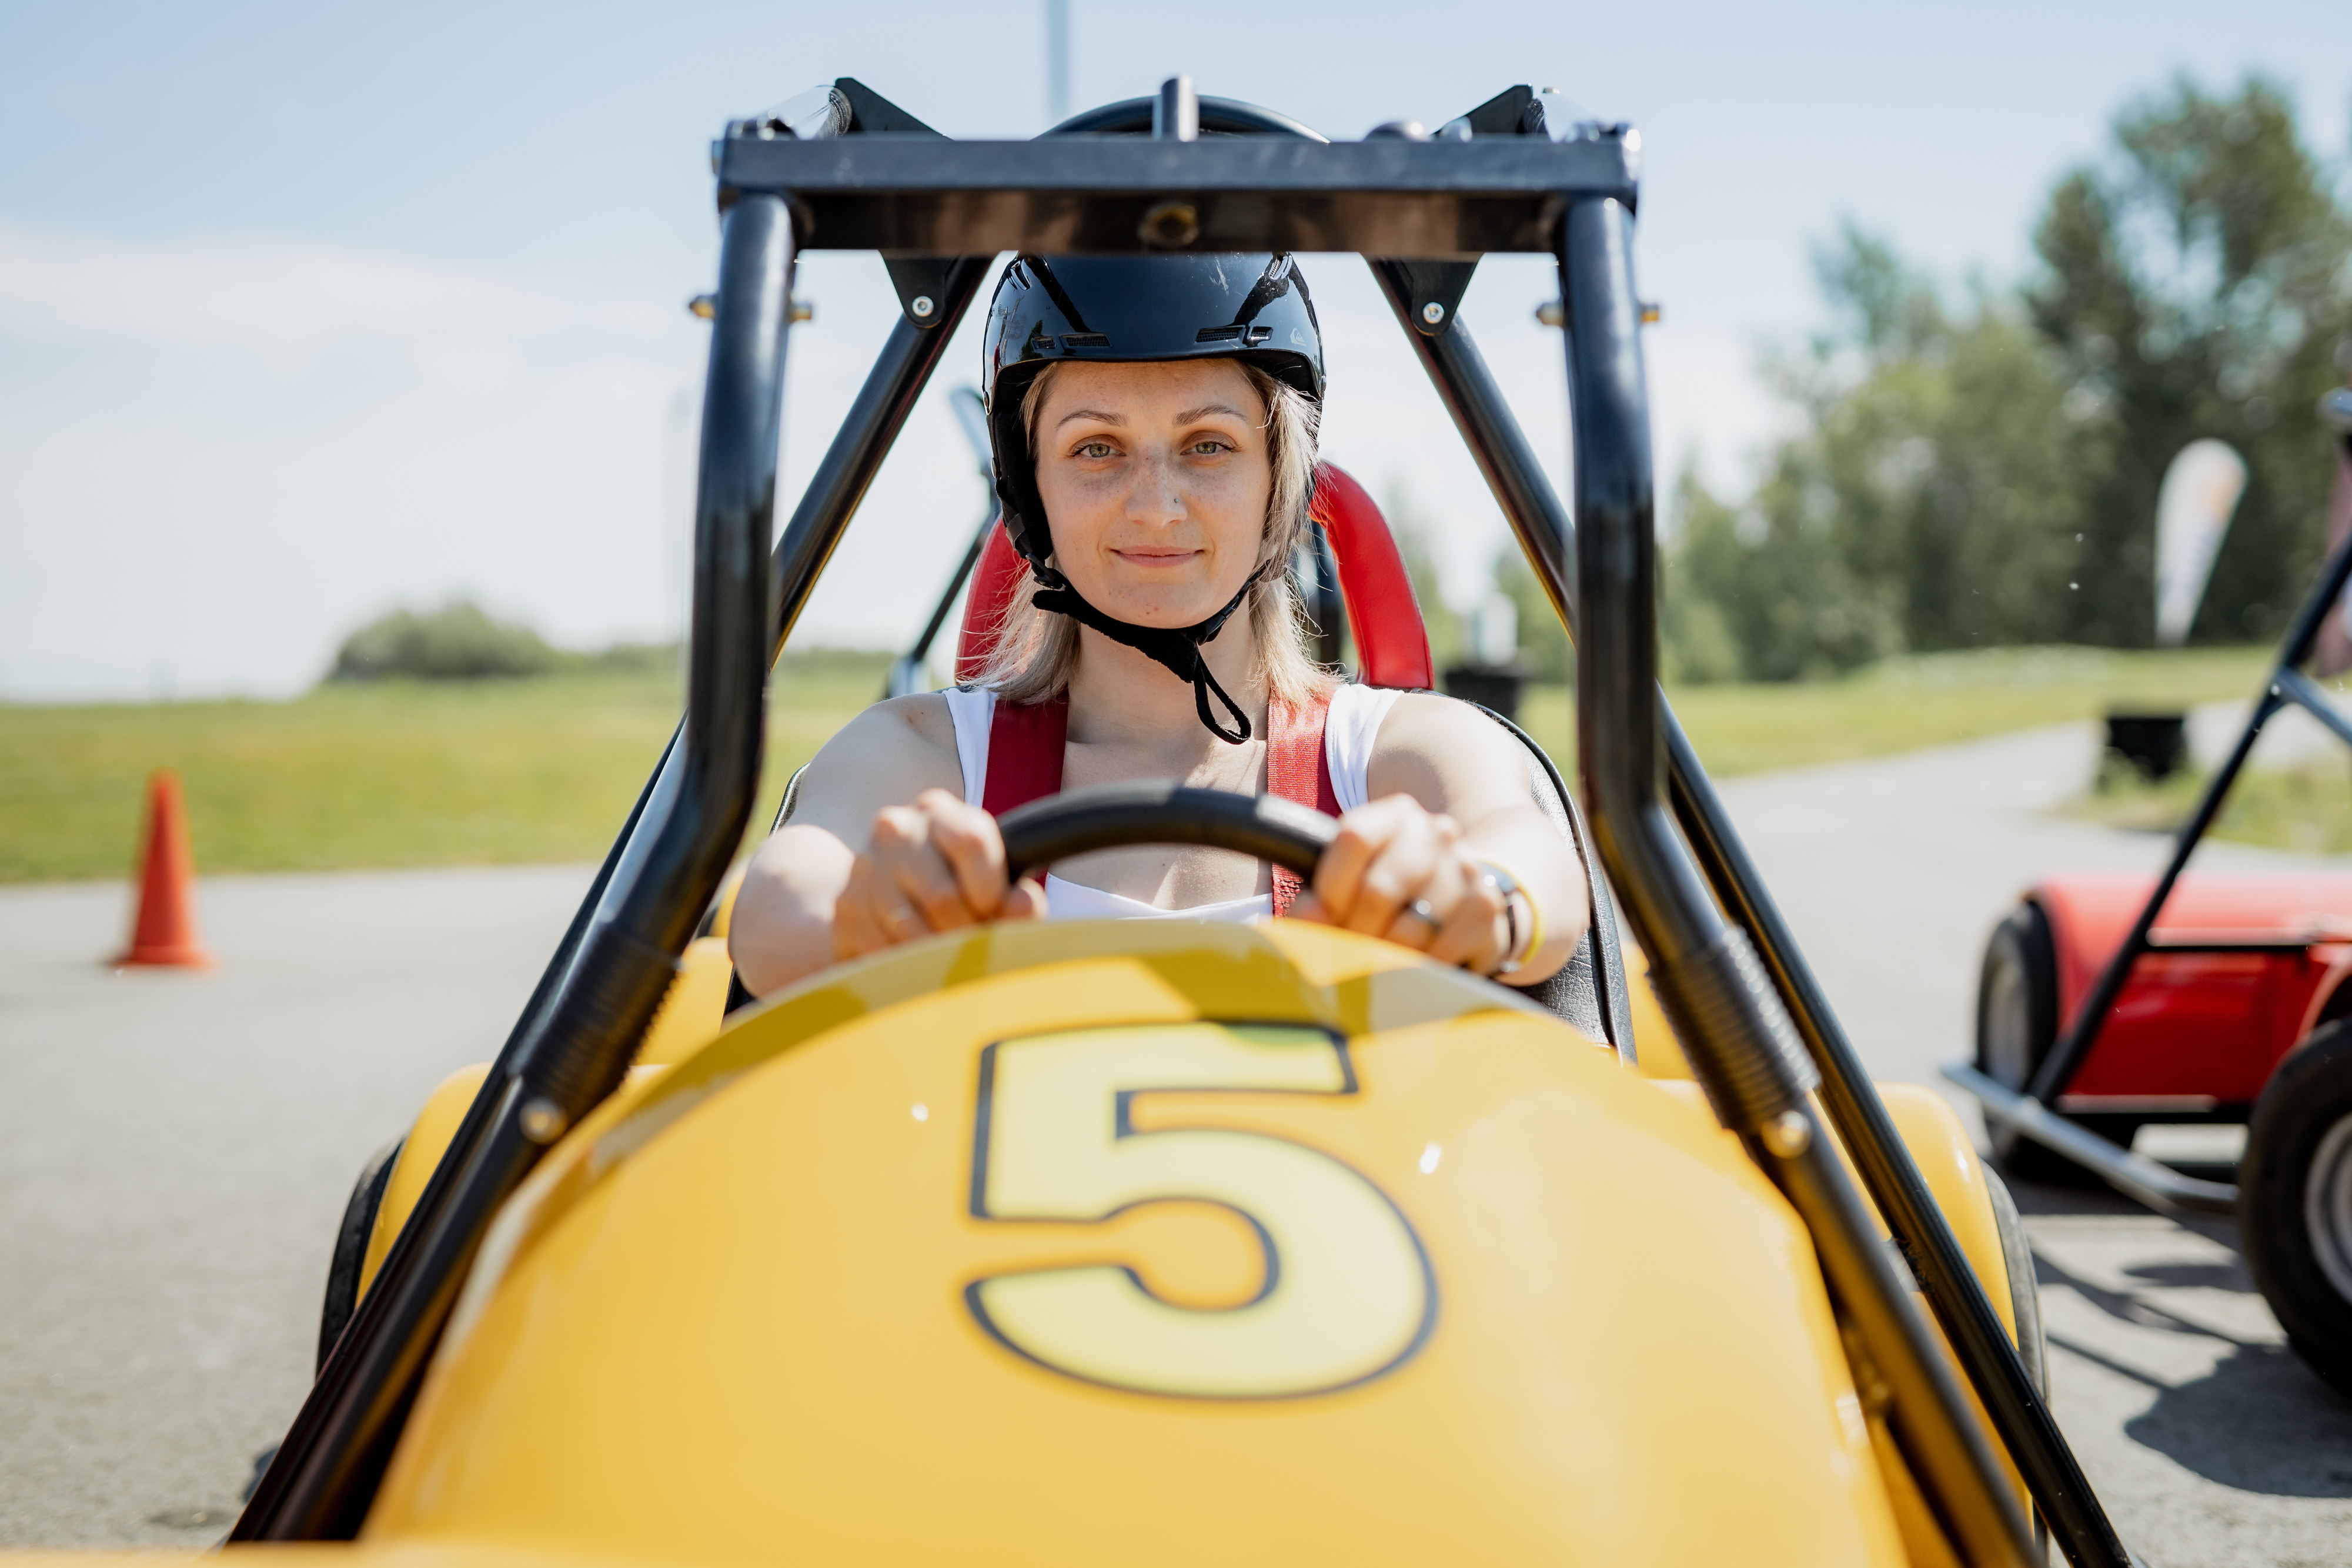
(1349, 727)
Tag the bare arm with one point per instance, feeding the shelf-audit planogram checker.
(881, 849)
(1449, 790)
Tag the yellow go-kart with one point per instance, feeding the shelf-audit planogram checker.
(1169, 1242)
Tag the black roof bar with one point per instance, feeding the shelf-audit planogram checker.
(1437, 200)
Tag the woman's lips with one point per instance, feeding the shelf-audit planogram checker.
(1156, 560)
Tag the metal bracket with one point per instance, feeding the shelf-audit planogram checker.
(920, 280)
(871, 114)
(1437, 287)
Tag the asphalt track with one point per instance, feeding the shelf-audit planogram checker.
(175, 1150)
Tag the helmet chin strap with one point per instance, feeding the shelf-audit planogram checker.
(1176, 647)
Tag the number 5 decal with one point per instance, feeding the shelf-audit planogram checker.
(1347, 1292)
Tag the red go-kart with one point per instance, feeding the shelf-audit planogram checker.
(2108, 1002)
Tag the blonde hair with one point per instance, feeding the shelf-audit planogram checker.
(1033, 651)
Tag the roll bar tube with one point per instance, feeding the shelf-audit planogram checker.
(1738, 1035)
(1981, 1342)
(324, 1477)
(907, 669)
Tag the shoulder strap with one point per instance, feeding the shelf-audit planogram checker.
(1025, 753)
(1298, 770)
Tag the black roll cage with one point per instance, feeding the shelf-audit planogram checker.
(1758, 1031)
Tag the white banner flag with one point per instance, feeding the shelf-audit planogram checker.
(2192, 512)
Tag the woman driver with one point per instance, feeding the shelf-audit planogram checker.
(1154, 422)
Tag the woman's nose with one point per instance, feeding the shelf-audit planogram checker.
(1154, 497)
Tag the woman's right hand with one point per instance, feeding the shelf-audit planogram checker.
(936, 866)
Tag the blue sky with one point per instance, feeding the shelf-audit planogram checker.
(309, 310)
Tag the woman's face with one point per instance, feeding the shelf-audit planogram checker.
(1155, 480)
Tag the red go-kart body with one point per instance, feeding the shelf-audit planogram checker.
(2240, 969)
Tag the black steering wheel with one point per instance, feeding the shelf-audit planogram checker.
(1113, 816)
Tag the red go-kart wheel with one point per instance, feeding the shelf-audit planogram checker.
(2017, 1023)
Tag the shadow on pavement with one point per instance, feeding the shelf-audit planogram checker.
(2261, 1421)
(2258, 1420)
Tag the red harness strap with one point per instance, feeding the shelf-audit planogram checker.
(1298, 770)
(1024, 763)
(1025, 753)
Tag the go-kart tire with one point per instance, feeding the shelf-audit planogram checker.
(2024, 1302)
(2017, 1023)
(2294, 1200)
(2024, 1292)
(351, 1245)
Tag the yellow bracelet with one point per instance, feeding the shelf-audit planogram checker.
(1508, 883)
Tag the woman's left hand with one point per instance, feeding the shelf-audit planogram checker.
(1400, 871)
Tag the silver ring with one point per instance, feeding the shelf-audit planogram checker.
(1420, 910)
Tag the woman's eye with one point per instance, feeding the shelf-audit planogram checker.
(1095, 449)
(1207, 449)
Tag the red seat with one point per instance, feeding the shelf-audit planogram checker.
(1383, 617)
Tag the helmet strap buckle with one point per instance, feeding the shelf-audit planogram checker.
(1176, 648)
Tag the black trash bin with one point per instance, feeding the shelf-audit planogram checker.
(2155, 744)
(1489, 686)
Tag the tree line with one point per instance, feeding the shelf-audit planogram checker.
(1983, 470)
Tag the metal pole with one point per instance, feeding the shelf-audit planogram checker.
(1057, 61)
(1738, 1037)
(324, 1477)
(908, 667)
(1965, 1314)
(972, 416)
(1978, 1338)
(1325, 606)
(875, 416)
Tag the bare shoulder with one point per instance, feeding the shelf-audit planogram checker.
(1436, 726)
(923, 715)
(887, 755)
(895, 732)
(1448, 755)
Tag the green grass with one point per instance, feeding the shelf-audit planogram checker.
(1929, 699)
(397, 774)
(2306, 809)
(410, 774)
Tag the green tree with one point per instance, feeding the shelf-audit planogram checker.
(2196, 284)
(1927, 501)
(1987, 471)
(459, 641)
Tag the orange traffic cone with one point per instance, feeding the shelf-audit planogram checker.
(166, 931)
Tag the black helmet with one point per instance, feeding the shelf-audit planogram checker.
(1124, 309)
(1127, 307)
